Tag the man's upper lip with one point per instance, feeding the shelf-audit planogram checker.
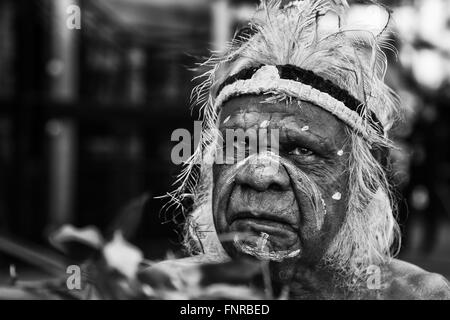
(263, 215)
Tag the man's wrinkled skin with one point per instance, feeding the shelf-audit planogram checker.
(248, 199)
(271, 202)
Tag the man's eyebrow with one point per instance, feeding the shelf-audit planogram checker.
(307, 136)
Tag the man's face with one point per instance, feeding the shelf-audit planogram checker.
(267, 201)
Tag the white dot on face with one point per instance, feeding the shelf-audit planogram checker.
(226, 119)
(264, 124)
(336, 196)
(305, 128)
(340, 153)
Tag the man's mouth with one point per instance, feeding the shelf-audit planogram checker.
(281, 232)
(257, 221)
(249, 214)
(264, 235)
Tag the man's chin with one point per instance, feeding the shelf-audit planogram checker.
(265, 254)
(263, 245)
(265, 234)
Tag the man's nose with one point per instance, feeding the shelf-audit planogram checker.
(263, 174)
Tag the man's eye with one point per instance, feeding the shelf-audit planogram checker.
(301, 152)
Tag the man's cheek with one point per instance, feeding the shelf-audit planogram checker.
(333, 198)
(334, 189)
(336, 202)
(220, 183)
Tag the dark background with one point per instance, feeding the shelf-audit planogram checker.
(86, 117)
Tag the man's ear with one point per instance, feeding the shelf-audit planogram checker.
(381, 154)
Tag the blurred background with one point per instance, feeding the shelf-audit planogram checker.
(87, 111)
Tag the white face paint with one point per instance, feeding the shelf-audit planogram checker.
(264, 124)
(320, 214)
(261, 251)
(337, 196)
(324, 206)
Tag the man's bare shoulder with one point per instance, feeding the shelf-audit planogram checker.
(407, 281)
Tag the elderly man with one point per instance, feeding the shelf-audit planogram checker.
(312, 197)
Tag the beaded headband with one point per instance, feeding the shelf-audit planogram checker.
(302, 84)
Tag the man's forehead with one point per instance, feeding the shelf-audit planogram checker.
(288, 112)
